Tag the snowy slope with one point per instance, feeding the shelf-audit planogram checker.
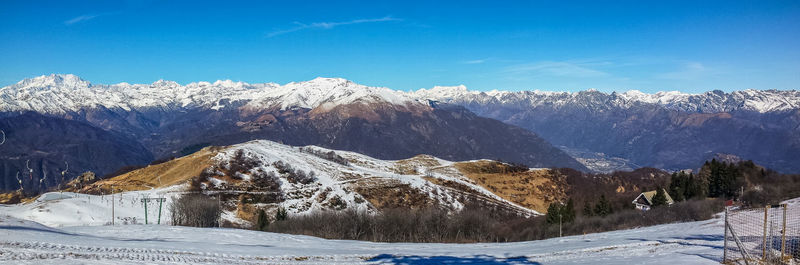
(28, 242)
(23, 241)
(64, 93)
(58, 209)
(339, 182)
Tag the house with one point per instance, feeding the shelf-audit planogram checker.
(645, 200)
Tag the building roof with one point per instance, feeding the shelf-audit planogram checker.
(648, 195)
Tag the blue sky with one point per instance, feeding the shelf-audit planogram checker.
(691, 46)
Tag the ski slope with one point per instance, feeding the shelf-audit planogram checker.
(28, 242)
(59, 209)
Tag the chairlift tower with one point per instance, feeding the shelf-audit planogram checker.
(160, 204)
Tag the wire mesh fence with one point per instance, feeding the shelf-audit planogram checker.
(768, 235)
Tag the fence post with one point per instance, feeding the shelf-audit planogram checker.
(725, 247)
(783, 235)
(764, 247)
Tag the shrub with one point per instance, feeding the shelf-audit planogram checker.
(330, 155)
(475, 223)
(266, 181)
(294, 176)
(196, 210)
(242, 163)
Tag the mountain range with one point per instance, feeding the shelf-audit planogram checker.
(133, 124)
(165, 119)
(668, 130)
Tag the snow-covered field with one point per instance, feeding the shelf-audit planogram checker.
(87, 241)
(57, 209)
(28, 242)
(23, 241)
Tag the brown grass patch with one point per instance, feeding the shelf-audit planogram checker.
(246, 212)
(451, 184)
(11, 197)
(172, 172)
(390, 194)
(534, 189)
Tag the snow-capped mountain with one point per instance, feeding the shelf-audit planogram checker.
(58, 94)
(709, 102)
(626, 130)
(61, 93)
(168, 119)
(671, 130)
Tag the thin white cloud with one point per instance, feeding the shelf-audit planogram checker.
(554, 69)
(329, 25)
(81, 18)
(689, 71)
(477, 61)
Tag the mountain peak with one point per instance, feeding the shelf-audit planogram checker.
(443, 92)
(165, 83)
(52, 81)
(322, 90)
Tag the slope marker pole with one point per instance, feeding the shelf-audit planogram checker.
(764, 247)
(112, 205)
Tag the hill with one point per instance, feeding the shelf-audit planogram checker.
(268, 175)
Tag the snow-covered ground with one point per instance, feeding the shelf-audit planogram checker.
(57, 209)
(83, 238)
(27, 242)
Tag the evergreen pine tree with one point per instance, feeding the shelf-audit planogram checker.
(696, 187)
(587, 210)
(281, 214)
(568, 211)
(659, 199)
(261, 221)
(552, 213)
(677, 186)
(724, 180)
(603, 207)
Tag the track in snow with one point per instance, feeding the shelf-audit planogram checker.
(41, 251)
